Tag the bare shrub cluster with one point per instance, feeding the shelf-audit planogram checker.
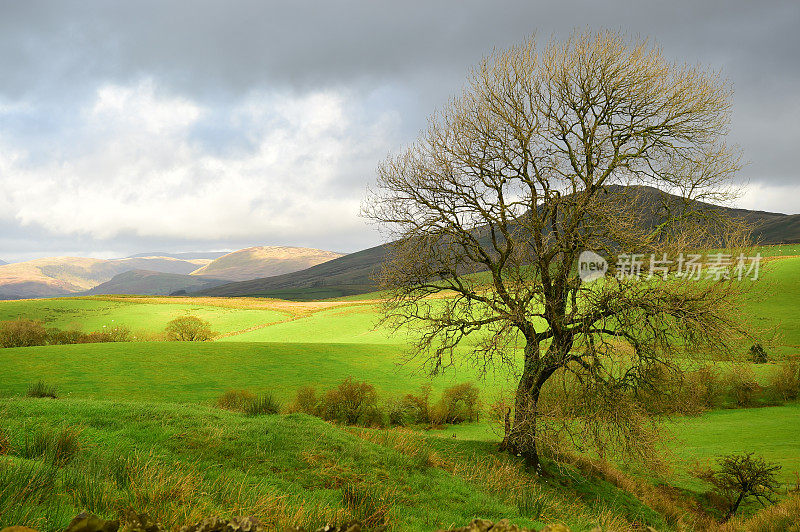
(357, 403)
(23, 332)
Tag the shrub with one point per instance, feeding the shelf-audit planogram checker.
(758, 354)
(743, 388)
(352, 403)
(458, 404)
(188, 329)
(261, 405)
(42, 389)
(235, 400)
(59, 337)
(704, 387)
(785, 381)
(397, 413)
(306, 401)
(119, 333)
(22, 333)
(418, 407)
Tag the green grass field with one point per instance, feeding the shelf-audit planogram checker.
(200, 372)
(93, 314)
(283, 467)
(153, 399)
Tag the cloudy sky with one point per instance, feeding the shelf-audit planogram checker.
(129, 127)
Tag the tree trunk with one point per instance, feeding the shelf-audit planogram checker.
(733, 508)
(521, 439)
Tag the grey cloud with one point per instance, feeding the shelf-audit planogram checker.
(404, 58)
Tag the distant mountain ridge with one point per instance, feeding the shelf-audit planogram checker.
(56, 276)
(347, 275)
(186, 255)
(264, 261)
(154, 274)
(355, 273)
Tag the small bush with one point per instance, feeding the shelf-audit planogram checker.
(397, 413)
(758, 354)
(262, 405)
(704, 387)
(306, 401)
(235, 400)
(42, 389)
(459, 404)
(22, 333)
(785, 381)
(418, 407)
(743, 388)
(188, 329)
(120, 333)
(59, 337)
(352, 403)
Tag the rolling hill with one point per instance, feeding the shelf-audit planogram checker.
(264, 261)
(353, 274)
(346, 275)
(145, 282)
(56, 276)
(2, 262)
(153, 274)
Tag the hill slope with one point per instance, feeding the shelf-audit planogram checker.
(346, 275)
(146, 282)
(54, 276)
(353, 274)
(264, 261)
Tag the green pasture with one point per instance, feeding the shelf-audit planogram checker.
(95, 314)
(350, 324)
(772, 432)
(193, 372)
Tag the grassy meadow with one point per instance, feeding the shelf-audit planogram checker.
(143, 424)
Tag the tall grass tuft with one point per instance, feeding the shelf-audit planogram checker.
(235, 400)
(261, 405)
(366, 506)
(5, 443)
(23, 487)
(42, 389)
(58, 448)
(530, 504)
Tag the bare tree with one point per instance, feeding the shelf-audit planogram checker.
(548, 153)
(742, 476)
